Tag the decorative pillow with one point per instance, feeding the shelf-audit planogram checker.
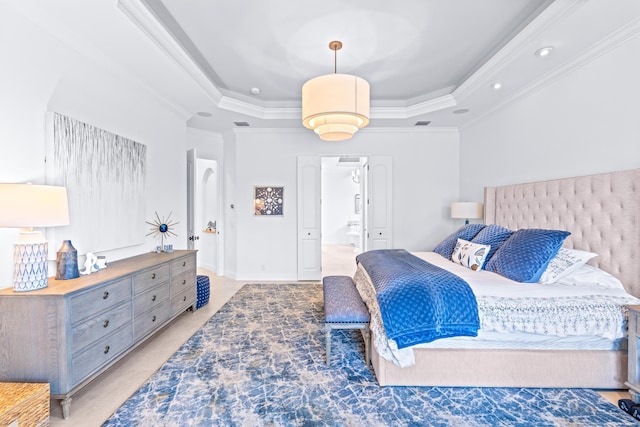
(494, 236)
(466, 232)
(470, 255)
(526, 254)
(565, 262)
(588, 275)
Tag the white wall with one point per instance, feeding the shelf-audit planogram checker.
(584, 123)
(338, 201)
(41, 74)
(425, 181)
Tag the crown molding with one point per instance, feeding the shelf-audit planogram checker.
(591, 53)
(144, 19)
(550, 15)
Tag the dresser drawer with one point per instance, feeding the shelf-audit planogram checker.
(182, 265)
(99, 326)
(150, 278)
(147, 322)
(182, 300)
(99, 299)
(182, 282)
(152, 298)
(100, 353)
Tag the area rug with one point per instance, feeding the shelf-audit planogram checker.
(260, 361)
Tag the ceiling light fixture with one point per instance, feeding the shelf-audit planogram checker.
(542, 52)
(335, 105)
(496, 85)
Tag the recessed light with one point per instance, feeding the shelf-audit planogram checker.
(461, 111)
(422, 123)
(204, 114)
(544, 51)
(496, 85)
(241, 124)
(255, 91)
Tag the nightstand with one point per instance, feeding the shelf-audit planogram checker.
(633, 376)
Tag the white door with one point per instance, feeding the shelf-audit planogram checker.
(191, 171)
(207, 213)
(379, 209)
(309, 237)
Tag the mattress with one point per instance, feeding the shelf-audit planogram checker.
(516, 315)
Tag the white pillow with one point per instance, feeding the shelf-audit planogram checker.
(470, 255)
(588, 275)
(564, 263)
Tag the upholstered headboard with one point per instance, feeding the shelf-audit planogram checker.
(602, 212)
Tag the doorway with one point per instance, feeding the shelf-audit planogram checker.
(204, 208)
(343, 219)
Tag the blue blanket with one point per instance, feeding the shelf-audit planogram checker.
(418, 301)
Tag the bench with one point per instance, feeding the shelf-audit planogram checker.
(344, 309)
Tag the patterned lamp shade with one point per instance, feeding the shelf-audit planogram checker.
(26, 206)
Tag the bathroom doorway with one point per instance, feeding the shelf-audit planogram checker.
(343, 219)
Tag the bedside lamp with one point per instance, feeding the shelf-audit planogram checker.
(26, 206)
(466, 210)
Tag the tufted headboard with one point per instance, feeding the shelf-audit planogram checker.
(602, 212)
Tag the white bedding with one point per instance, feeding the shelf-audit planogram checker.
(519, 315)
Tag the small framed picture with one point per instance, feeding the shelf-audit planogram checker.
(268, 201)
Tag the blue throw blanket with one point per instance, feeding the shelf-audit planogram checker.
(418, 301)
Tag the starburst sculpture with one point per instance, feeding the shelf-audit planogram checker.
(162, 228)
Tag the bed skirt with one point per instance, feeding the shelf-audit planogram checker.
(599, 369)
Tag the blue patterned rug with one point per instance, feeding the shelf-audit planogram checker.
(259, 361)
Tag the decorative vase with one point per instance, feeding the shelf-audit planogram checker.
(67, 262)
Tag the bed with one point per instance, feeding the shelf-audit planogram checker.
(602, 213)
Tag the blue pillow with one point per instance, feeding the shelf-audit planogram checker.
(494, 236)
(526, 254)
(467, 232)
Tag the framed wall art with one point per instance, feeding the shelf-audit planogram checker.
(268, 201)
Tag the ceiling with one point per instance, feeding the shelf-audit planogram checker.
(426, 60)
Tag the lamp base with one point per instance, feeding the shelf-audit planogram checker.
(30, 262)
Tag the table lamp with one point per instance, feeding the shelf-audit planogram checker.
(466, 210)
(26, 206)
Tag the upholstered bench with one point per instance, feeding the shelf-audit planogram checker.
(344, 309)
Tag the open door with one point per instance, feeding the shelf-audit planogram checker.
(309, 237)
(191, 172)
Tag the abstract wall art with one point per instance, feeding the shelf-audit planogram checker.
(268, 201)
(104, 174)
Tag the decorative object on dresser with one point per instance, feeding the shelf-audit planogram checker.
(72, 331)
(28, 206)
(162, 228)
(67, 262)
(466, 210)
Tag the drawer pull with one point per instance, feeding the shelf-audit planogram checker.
(153, 319)
(184, 263)
(153, 276)
(153, 298)
(105, 295)
(184, 282)
(184, 298)
(106, 349)
(105, 323)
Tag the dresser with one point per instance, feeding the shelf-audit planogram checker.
(73, 330)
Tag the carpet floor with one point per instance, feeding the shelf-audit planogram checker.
(259, 361)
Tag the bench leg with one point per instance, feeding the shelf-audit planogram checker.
(327, 337)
